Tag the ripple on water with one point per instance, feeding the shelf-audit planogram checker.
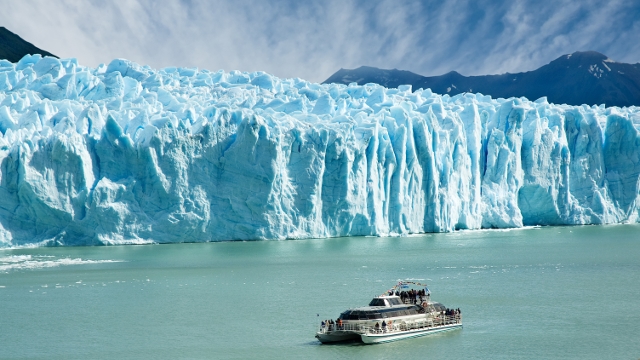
(29, 262)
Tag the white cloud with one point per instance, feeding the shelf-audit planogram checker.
(313, 39)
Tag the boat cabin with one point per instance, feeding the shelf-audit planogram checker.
(381, 313)
(383, 307)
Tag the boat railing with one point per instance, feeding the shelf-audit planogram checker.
(437, 321)
(395, 326)
(357, 327)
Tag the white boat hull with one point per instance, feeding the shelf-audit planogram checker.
(383, 337)
(337, 336)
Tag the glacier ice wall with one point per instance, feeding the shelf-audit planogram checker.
(129, 154)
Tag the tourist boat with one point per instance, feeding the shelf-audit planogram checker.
(395, 315)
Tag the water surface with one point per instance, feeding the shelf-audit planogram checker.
(541, 293)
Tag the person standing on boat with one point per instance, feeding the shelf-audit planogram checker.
(384, 326)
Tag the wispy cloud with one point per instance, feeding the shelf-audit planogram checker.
(313, 39)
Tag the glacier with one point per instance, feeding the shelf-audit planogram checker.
(128, 154)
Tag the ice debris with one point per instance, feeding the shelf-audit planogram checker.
(129, 154)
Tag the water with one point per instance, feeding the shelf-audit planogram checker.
(545, 293)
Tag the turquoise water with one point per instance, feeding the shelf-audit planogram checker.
(542, 293)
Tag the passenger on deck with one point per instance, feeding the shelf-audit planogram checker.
(384, 326)
(377, 327)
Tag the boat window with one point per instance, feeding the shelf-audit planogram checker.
(395, 301)
(345, 315)
(391, 312)
(353, 316)
(377, 302)
(374, 316)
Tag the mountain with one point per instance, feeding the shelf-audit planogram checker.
(579, 78)
(13, 47)
(130, 154)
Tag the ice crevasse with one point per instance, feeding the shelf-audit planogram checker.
(124, 153)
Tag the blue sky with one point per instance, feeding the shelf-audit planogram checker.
(313, 39)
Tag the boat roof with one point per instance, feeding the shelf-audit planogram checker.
(400, 306)
(365, 308)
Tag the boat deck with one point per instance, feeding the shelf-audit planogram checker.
(399, 329)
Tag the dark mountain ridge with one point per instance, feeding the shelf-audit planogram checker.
(13, 47)
(580, 78)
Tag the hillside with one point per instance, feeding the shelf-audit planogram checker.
(575, 79)
(13, 47)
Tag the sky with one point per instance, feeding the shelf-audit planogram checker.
(313, 39)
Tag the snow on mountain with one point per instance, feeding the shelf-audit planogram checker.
(129, 154)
